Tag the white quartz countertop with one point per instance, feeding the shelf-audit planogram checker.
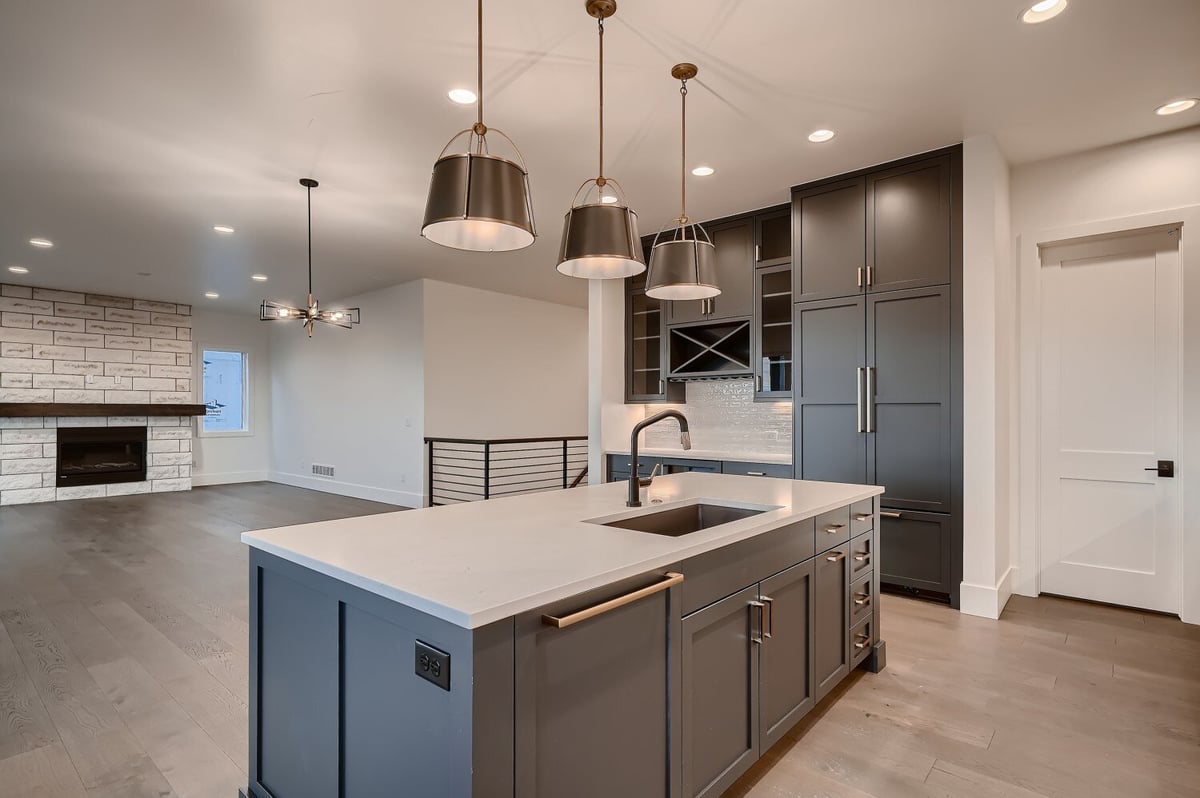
(710, 454)
(479, 562)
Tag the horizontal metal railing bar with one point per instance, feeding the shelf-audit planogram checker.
(508, 440)
(531, 482)
(442, 483)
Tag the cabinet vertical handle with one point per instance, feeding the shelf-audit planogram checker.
(758, 252)
(662, 386)
(860, 280)
(758, 383)
(870, 275)
(858, 405)
(769, 607)
(756, 633)
(870, 399)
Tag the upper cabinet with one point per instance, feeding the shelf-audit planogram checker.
(734, 242)
(772, 345)
(882, 231)
(646, 350)
(773, 238)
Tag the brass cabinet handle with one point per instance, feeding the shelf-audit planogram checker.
(862, 642)
(870, 398)
(769, 606)
(670, 579)
(858, 407)
(889, 513)
(860, 271)
(833, 528)
(757, 636)
(870, 275)
(756, 473)
(837, 555)
(862, 599)
(662, 386)
(862, 516)
(757, 252)
(862, 557)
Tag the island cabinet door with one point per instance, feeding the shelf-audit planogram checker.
(787, 676)
(720, 693)
(593, 709)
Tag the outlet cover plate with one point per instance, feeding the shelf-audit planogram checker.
(432, 664)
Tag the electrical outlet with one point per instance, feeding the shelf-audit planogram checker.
(432, 665)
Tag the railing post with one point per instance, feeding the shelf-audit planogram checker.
(487, 469)
(564, 464)
(429, 475)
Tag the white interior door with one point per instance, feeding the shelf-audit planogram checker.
(1110, 352)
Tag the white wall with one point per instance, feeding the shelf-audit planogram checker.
(353, 399)
(244, 458)
(1092, 189)
(988, 335)
(501, 366)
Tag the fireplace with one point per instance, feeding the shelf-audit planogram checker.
(101, 455)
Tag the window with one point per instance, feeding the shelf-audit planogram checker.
(225, 398)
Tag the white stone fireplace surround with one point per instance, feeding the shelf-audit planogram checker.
(66, 347)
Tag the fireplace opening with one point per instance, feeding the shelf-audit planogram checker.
(101, 455)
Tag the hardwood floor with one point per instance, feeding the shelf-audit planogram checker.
(123, 668)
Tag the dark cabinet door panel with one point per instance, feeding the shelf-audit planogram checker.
(829, 354)
(787, 653)
(909, 226)
(908, 352)
(566, 679)
(829, 222)
(720, 695)
(831, 653)
(915, 550)
(774, 237)
(735, 269)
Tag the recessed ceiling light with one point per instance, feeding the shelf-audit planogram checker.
(1042, 11)
(259, 278)
(703, 171)
(1177, 106)
(18, 270)
(41, 243)
(608, 199)
(223, 229)
(818, 136)
(212, 294)
(462, 96)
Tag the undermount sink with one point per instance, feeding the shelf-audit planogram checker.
(684, 520)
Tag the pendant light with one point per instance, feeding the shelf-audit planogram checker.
(308, 316)
(683, 260)
(479, 201)
(600, 236)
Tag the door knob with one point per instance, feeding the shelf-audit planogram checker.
(1165, 468)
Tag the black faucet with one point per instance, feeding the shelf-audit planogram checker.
(636, 483)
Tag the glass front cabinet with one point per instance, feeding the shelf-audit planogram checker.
(772, 344)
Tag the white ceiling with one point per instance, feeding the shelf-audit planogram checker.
(128, 129)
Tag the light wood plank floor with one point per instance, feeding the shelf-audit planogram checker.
(123, 668)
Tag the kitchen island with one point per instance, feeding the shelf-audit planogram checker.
(556, 644)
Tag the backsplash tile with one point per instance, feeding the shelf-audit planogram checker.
(723, 416)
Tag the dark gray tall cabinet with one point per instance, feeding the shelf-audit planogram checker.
(878, 354)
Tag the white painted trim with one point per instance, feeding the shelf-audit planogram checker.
(986, 601)
(401, 498)
(1027, 581)
(228, 477)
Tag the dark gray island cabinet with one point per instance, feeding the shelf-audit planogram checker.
(667, 683)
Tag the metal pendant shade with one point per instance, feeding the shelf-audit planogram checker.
(600, 235)
(683, 261)
(479, 201)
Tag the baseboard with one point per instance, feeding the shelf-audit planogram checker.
(228, 477)
(986, 601)
(369, 492)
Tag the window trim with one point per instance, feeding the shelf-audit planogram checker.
(247, 430)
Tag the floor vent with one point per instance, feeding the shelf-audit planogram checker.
(322, 471)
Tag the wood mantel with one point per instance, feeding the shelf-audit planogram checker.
(44, 409)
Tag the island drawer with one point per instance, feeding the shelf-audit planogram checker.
(862, 517)
(861, 638)
(862, 600)
(779, 470)
(862, 551)
(716, 574)
(833, 528)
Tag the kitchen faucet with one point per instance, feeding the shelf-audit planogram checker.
(636, 483)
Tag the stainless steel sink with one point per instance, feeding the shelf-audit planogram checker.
(684, 520)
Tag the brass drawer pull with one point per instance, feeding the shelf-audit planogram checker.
(833, 528)
(670, 579)
(862, 599)
(769, 609)
(862, 642)
(889, 513)
(837, 555)
(862, 516)
(862, 557)
(756, 473)
(757, 636)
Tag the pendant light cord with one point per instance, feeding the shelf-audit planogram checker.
(683, 218)
(309, 244)
(479, 76)
(600, 22)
